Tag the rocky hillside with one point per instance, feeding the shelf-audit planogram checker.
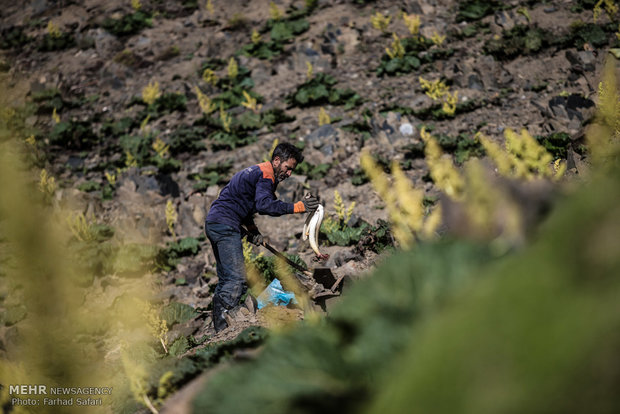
(143, 109)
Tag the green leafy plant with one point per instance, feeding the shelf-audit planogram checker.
(462, 146)
(469, 10)
(187, 139)
(321, 90)
(313, 172)
(404, 56)
(166, 103)
(275, 116)
(112, 128)
(558, 144)
(139, 151)
(176, 312)
(262, 50)
(267, 266)
(129, 24)
(170, 256)
(89, 186)
(590, 33)
(50, 99)
(285, 30)
(337, 229)
(528, 40)
(520, 40)
(282, 29)
(359, 128)
(377, 238)
(73, 134)
(213, 64)
(51, 43)
(211, 175)
(13, 37)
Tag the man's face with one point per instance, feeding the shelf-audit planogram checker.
(283, 169)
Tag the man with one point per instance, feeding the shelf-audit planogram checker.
(250, 191)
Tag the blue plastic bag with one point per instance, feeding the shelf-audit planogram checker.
(274, 294)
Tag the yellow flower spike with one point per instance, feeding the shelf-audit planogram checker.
(412, 21)
(324, 117)
(31, 140)
(409, 199)
(349, 212)
(80, 227)
(209, 76)
(233, 68)
(55, 116)
(450, 101)
(143, 125)
(130, 160)
(53, 30)
(525, 12)
(136, 5)
(250, 102)
(329, 225)
(225, 118)
(603, 135)
(111, 178)
(255, 37)
(274, 11)
(432, 222)
(530, 159)
(157, 326)
(438, 39)
(274, 144)
(206, 104)
(500, 157)
(442, 170)
(171, 217)
(397, 50)
(379, 180)
(209, 7)
(481, 199)
(433, 89)
(559, 168)
(47, 183)
(160, 147)
(339, 205)
(380, 21)
(309, 71)
(610, 9)
(247, 251)
(151, 92)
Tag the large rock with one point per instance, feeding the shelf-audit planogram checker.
(106, 44)
(192, 214)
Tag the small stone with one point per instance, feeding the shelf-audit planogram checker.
(406, 129)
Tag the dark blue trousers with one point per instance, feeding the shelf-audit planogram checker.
(231, 285)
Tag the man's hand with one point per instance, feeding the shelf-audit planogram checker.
(256, 239)
(311, 203)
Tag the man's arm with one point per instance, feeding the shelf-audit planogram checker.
(249, 224)
(266, 202)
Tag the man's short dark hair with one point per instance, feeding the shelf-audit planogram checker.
(286, 151)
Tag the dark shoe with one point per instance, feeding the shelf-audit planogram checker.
(236, 315)
(218, 314)
(251, 303)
